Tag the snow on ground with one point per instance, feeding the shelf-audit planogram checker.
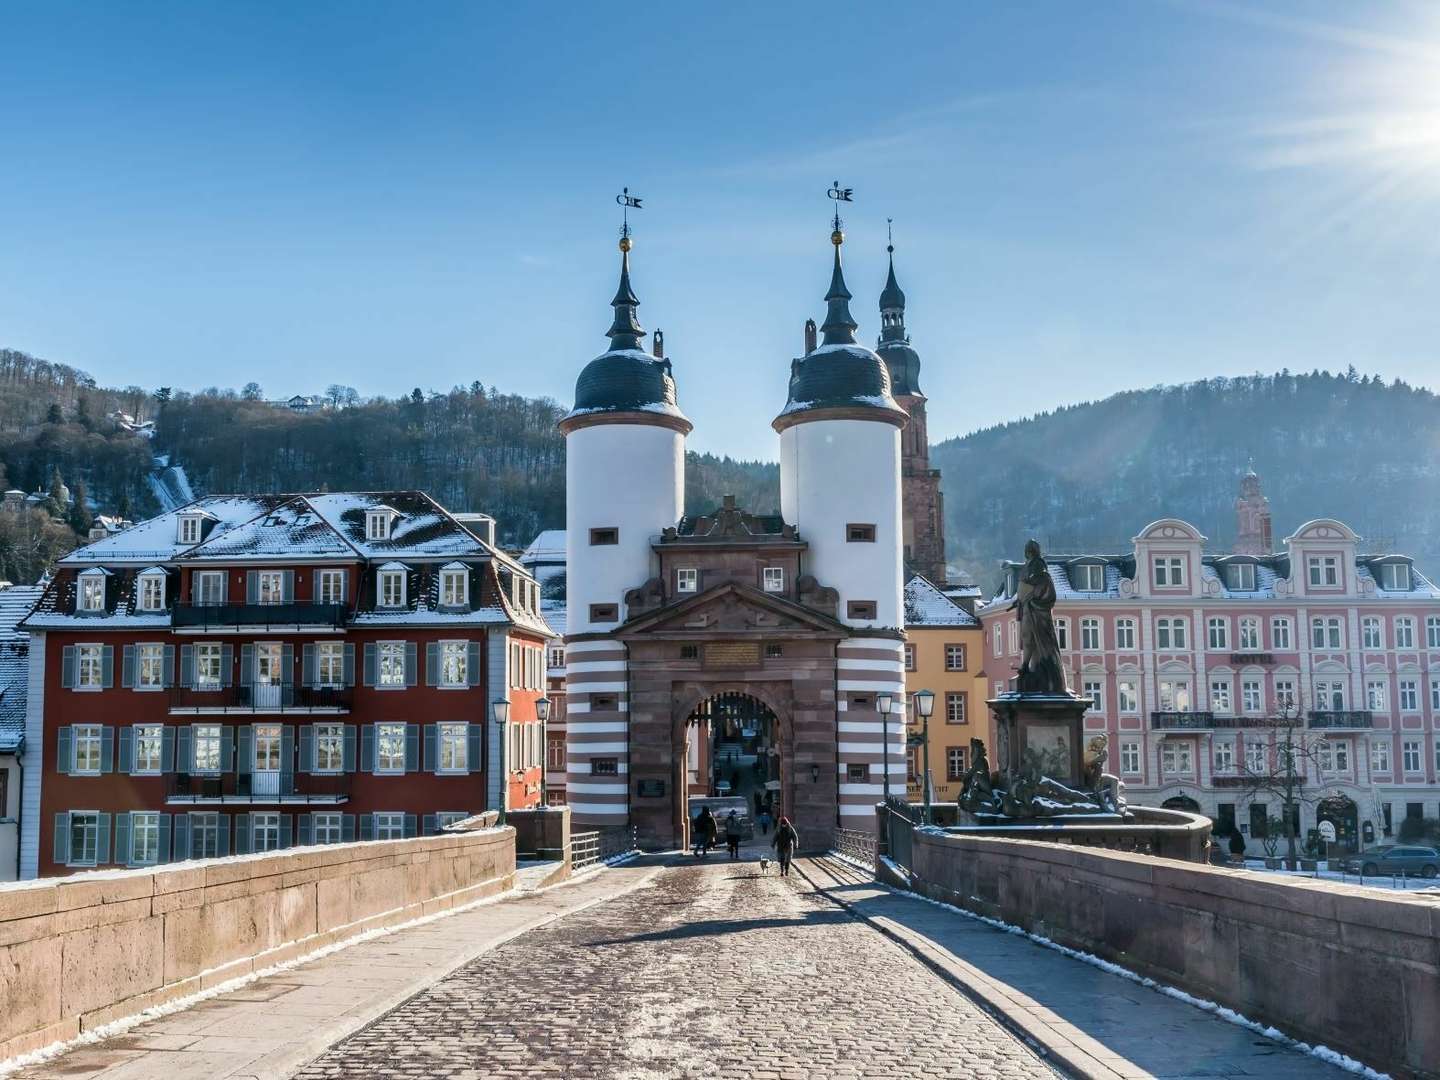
(1418, 885)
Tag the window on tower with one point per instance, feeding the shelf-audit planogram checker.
(604, 536)
(860, 609)
(860, 534)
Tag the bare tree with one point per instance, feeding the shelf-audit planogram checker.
(1297, 751)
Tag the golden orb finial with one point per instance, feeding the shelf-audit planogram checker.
(626, 244)
(837, 238)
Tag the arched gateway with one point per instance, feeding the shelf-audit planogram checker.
(801, 611)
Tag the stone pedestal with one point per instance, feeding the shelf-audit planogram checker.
(1040, 732)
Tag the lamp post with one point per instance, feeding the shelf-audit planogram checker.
(925, 705)
(885, 702)
(501, 711)
(542, 713)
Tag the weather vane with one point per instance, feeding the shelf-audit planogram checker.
(840, 195)
(629, 202)
(889, 235)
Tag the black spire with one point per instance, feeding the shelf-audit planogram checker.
(892, 305)
(625, 332)
(839, 325)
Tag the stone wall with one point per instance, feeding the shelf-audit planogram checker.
(1354, 969)
(81, 951)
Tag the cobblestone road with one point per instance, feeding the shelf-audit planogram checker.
(712, 972)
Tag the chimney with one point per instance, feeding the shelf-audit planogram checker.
(809, 336)
(658, 349)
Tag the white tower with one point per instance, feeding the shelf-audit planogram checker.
(624, 483)
(840, 487)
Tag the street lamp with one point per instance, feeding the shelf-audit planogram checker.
(501, 711)
(542, 713)
(885, 702)
(925, 705)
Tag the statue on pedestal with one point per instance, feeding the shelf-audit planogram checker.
(1040, 670)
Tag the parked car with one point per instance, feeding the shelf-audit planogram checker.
(1396, 859)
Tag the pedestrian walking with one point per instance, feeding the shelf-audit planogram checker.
(704, 832)
(785, 842)
(733, 833)
(764, 820)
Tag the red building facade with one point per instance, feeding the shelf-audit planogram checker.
(253, 673)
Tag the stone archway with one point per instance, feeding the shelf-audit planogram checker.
(1181, 802)
(1341, 811)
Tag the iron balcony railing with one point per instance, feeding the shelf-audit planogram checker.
(1340, 718)
(1204, 721)
(208, 616)
(258, 788)
(261, 698)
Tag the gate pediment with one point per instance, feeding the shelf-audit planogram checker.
(731, 609)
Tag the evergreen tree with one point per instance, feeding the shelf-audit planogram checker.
(80, 516)
(57, 501)
(53, 415)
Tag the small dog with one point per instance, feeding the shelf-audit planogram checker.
(764, 865)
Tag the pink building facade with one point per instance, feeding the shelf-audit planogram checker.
(1190, 658)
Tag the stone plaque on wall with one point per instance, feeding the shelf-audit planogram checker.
(732, 654)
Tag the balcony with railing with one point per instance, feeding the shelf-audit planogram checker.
(1204, 721)
(260, 698)
(210, 617)
(1332, 719)
(257, 788)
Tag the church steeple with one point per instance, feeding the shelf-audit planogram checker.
(892, 303)
(839, 326)
(625, 331)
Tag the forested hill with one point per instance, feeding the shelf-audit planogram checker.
(1089, 477)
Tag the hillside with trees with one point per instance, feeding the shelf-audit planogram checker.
(1088, 477)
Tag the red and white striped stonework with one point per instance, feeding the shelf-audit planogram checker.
(597, 726)
(867, 667)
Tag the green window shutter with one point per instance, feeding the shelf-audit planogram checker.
(367, 826)
(107, 749)
(367, 748)
(349, 653)
(127, 668)
(307, 748)
(242, 834)
(227, 665)
(309, 675)
(287, 586)
(431, 759)
(122, 839)
(287, 836)
(287, 758)
(410, 663)
(245, 749)
(432, 663)
(169, 674)
(412, 747)
(184, 756)
(472, 664)
(127, 749)
(475, 747)
(247, 665)
(62, 839)
(410, 823)
(180, 848)
(287, 664)
(227, 748)
(67, 667)
(252, 586)
(347, 828)
(167, 749)
(348, 749)
(371, 666)
(165, 838)
(102, 844)
(224, 835)
(304, 829)
(187, 666)
(64, 750)
(107, 666)
(430, 825)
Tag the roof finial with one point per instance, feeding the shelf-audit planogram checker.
(839, 326)
(889, 237)
(625, 331)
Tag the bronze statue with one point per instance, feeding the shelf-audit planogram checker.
(1040, 670)
(977, 792)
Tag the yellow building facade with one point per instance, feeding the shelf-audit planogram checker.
(944, 653)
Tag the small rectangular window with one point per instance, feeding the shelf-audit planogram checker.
(687, 580)
(909, 656)
(954, 657)
(1088, 578)
(604, 702)
(860, 533)
(152, 592)
(605, 766)
(391, 589)
(774, 579)
(689, 652)
(604, 536)
(774, 650)
(857, 774)
(330, 586)
(860, 609)
(861, 701)
(604, 613)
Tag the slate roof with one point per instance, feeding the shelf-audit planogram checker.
(840, 376)
(156, 540)
(927, 606)
(15, 603)
(423, 529)
(294, 529)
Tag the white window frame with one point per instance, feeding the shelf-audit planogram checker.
(91, 597)
(89, 819)
(149, 666)
(1177, 758)
(389, 824)
(188, 530)
(1220, 699)
(1327, 633)
(1412, 756)
(1062, 632)
(269, 587)
(205, 834)
(147, 740)
(452, 745)
(1404, 632)
(1432, 631)
(330, 586)
(1125, 635)
(1248, 634)
(92, 736)
(1091, 638)
(329, 665)
(1225, 756)
(329, 748)
(1176, 695)
(1252, 696)
(774, 579)
(1217, 634)
(389, 736)
(265, 828)
(1372, 632)
(203, 739)
(152, 592)
(454, 588)
(1127, 693)
(1327, 693)
(390, 589)
(454, 659)
(89, 667)
(1169, 571)
(146, 824)
(1243, 579)
(202, 593)
(390, 665)
(687, 579)
(1395, 577)
(326, 827)
(1408, 695)
(209, 656)
(1094, 689)
(1130, 757)
(1285, 693)
(1257, 757)
(1092, 578)
(1280, 636)
(1380, 756)
(998, 639)
(1377, 695)
(377, 524)
(1171, 634)
(1321, 568)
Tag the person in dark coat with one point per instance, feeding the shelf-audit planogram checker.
(704, 832)
(733, 833)
(785, 842)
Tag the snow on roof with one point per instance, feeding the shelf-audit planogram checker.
(548, 546)
(15, 603)
(1420, 585)
(925, 605)
(554, 613)
(293, 529)
(157, 540)
(423, 528)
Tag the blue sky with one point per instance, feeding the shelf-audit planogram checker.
(1087, 197)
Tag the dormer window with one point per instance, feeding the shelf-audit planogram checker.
(92, 591)
(390, 588)
(1324, 570)
(1169, 571)
(1241, 577)
(1088, 578)
(454, 586)
(189, 528)
(152, 591)
(378, 523)
(1395, 577)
